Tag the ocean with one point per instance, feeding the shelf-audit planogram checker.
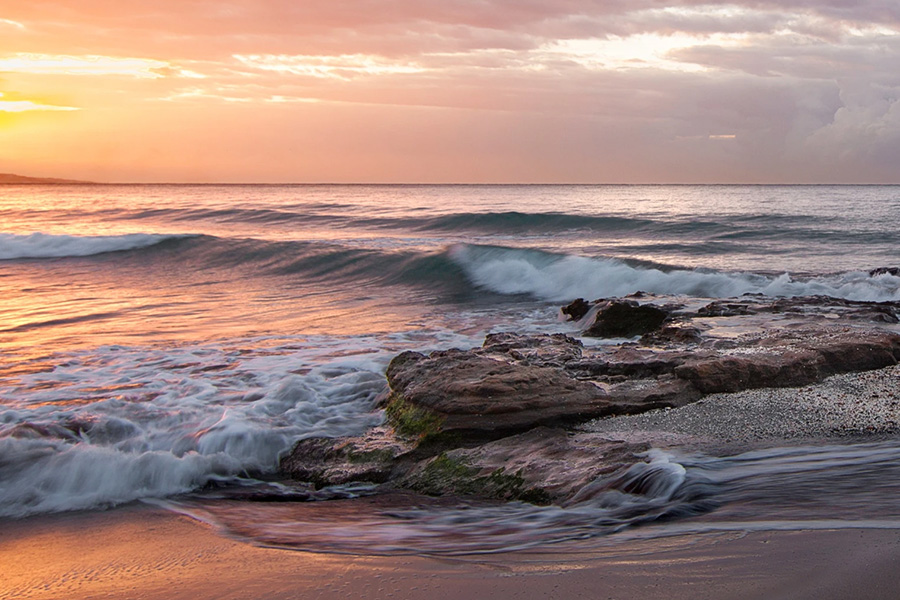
(160, 341)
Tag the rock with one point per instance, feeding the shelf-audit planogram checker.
(540, 466)
(465, 391)
(859, 351)
(793, 358)
(634, 396)
(672, 335)
(626, 318)
(335, 461)
(804, 307)
(722, 308)
(515, 382)
(555, 350)
(895, 271)
(629, 362)
(735, 373)
(576, 309)
(486, 422)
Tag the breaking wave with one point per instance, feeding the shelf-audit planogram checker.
(555, 277)
(97, 429)
(43, 245)
(460, 270)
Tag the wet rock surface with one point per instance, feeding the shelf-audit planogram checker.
(792, 358)
(335, 461)
(471, 391)
(505, 421)
(625, 318)
(543, 465)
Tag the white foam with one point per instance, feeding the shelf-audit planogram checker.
(117, 424)
(42, 475)
(43, 245)
(562, 278)
(94, 428)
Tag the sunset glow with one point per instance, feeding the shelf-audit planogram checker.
(42, 64)
(15, 106)
(339, 67)
(493, 91)
(430, 298)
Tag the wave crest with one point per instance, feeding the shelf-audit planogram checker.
(555, 277)
(44, 245)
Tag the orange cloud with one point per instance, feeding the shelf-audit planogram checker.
(345, 66)
(17, 106)
(429, 90)
(11, 23)
(61, 64)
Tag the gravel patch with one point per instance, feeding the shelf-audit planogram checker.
(854, 405)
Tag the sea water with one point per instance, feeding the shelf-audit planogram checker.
(159, 340)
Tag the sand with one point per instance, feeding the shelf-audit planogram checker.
(146, 552)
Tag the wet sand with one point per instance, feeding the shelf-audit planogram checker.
(145, 552)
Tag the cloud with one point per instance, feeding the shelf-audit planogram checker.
(345, 66)
(90, 65)
(18, 106)
(802, 56)
(682, 89)
(13, 24)
(204, 30)
(864, 130)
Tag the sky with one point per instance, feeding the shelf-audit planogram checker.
(444, 91)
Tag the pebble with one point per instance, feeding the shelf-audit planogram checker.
(857, 405)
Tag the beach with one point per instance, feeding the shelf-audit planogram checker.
(449, 300)
(142, 552)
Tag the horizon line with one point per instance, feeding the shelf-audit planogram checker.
(443, 183)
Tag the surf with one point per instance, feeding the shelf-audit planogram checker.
(43, 245)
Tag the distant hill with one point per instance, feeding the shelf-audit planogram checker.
(11, 178)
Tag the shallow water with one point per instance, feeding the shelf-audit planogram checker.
(666, 494)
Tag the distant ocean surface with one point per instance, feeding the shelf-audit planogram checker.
(157, 339)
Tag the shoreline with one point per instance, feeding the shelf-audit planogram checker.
(140, 551)
(143, 551)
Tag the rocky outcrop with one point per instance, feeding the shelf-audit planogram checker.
(556, 350)
(804, 307)
(792, 358)
(498, 421)
(542, 465)
(335, 461)
(576, 310)
(473, 392)
(515, 382)
(625, 319)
